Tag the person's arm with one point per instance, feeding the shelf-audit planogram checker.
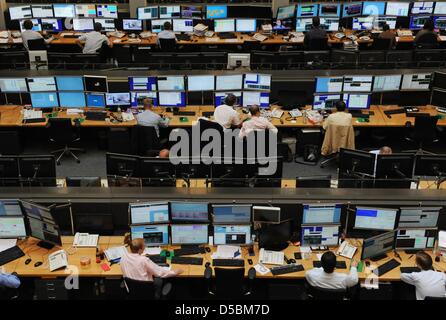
(271, 127)
(163, 122)
(352, 278)
(108, 41)
(160, 272)
(9, 281)
(236, 119)
(80, 41)
(410, 278)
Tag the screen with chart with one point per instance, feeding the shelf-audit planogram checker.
(329, 84)
(319, 235)
(325, 101)
(232, 234)
(200, 83)
(387, 83)
(229, 82)
(189, 234)
(420, 81)
(321, 213)
(375, 218)
(141, 213)
(153, 235)
(170, 83)
(216, 12)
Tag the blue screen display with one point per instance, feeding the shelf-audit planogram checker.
(70, 83)
(373, 8)
(307, 10)
(72, 99)
(95, 100)
(142, 83)
(44, 100)
(232, 213)
(220, 97)
(153, 235)
(216, 12)
(189, 211)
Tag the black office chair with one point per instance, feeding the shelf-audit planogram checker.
(262, 60)
(372, 59)
(290, 59)
(37, 44)
(316, 59)
(316, 293)
(163, 60)
(59, 60)
(427, 41)
(14, 60)
(148, 140)
(317, 44)
(381, 44)
(83, 181)
(168, 45)
(146, 290)
(314, 182)
(208, 124)
(229, 283)
(399, 58)
(62, 132)
(429, 58)
(344, 59)
(215, 60)
(85, 61)
(423, 132)
(10, 143)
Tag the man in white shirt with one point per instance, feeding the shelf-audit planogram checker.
(167, 33)
(91, 42)
(30, 34)
(326, 278)
(340, 117)
(256, 123)
(428, 283)
(225, 114)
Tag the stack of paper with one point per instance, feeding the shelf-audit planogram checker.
(115, 253)
(5, 244)
(227, 252)
(200, 29)
(74, 111)
(151, 251)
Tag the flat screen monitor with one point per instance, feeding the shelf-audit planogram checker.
(108, 24)
(10, 207)
(232, 234)
(356, 161)
(67, 83)
(190, 234)
(381, 20)
(216, 12)
(137, 98)
(307, 10)
(320, 235)
(283, 25)
(45, 231)
(13, 85)
(72, 99)
(42, 11)
(415, 238)
(363, 23)
(153, 235)
(147, 13)
(83, 24)
(20, 12)
(400, 9)
(142, 83)
(440, 22)
(36, 211)
(258, 98)
(229, 82)
(286, 12)
(183, 25)
(117, 99)
(107, 11)
(353, 9)
(422, 7)
(329, 10)
(417, 22)
(417, 81)
(330, 24)
(96, 84)
(430, 165)
(51, 25)
(304, 24)
(41, 84)
(357, 101)
(246, 25)
(131, 25)
(255, 81)
(192, 12)
(224, 25)
(373, 8)
(95, 100)
(200, 83)
(329, 84)
(321, 213)
(189, 211)
(419, 217)
(44, 100)
(378, 245)
(12, 227)
(170, 12)
(158, 24)
(438, 98)
(358, 83)
(325, 101)
(36, 25)
(220, 97)
(172, 83)
(387, 83)
(232, 213)
(146, 212)
(440, 7)
(266, 214)
(64, 10)
(172, 99)
(85, 10)
(375, 218)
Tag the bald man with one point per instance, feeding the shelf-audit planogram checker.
(149, 118)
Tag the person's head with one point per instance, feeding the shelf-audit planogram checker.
(423, 260)
(316, 22)
(386, 27)
(328, 261)
(429, 25)
(28, 25)
(97, 26)
(164, 153)
(167, 25)
(341, 106)
(254, 110)
(385, 150)
(230, 99)
(137, 245)
(147, 103)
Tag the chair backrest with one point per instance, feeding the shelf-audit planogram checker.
(425, 128)
(147, 140)
(318, 44)
(168, 45)
(36, 44)
(381, 44)
(140, 290)
(326, 294)
(229, 282)
(60, 129)
(427, 40)
(337, 137)
(314, 182)
(83, 181)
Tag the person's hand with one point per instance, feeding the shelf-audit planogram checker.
(179, 271)
(354, 263)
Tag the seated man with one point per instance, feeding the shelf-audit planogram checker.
(256, 123)
(167, 33)
(30, 34)
(388, 34)
(225, 114)
(428, 28)
(316, 32)
(428, 283)
(340, 117)
(149, 118)
(326, 278)
(91, 42)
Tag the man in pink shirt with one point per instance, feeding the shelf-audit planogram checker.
(256, 123)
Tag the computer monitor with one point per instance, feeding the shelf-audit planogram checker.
(363, 23)
(72, 100)
(440, 22)
(48, 233)
(192, 11)
(415, 239)
(96, 84)
(85, 10)
(378, 246)
(169, 12)
(229, 82)
(373, 8)
(143, 83)
(183, 25)
(220, 97)
(157, 168)
(20, 12)
(329, 10)
(12, 227)
(147, 13)
(262, 214)
(417, 22)
(357, 101)
(189, 211)
(107, 11)
(83, 24)
(356, 161)
(64, 10)
(246, 25)
(10, 207)
(122, 165)
(304, 24)
(255, 81)
(153, 235)
(95, 100)
(51, 25)
(231, 213)
(380, 21)
(387, 83)
(307, 10)
(117, 99)
(137, 98)
(36, 25)
(329, 84)
(418, 81)
(400, 9)
(42, 11)
(286, 12)
(108, 24)
(430, 165)
(275, 236)
(41, 84)
(422, 7)
(170, 83)
(325, 101)
(438, 98)
(201, 83)
(70, 83)
(149, 212)
(38, 170)
(419, 217)
(395, 166)
(13, 85)
(352, 9)
(368, 218)
(321, 213)
(44, 100)
(232, 235)
(330, 23)
(224, 25)
(171, 99)
(282, 25)
(131, 25)
(320, 235)
(259, 98)
(216, 12)
(440, 7)
(358, 83)
(189, 234)
(37, 211)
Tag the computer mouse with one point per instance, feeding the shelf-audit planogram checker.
(38, 264)
(28, 261)
(292, 261)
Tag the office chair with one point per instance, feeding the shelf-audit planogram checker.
(381, 44)
(61, 132)
(148, 140)
(10, 143)
(372, 59)
(427, 41)
(336, 137)
(146, 290)
(168, 45)
(429, 58)
(316, 293)
(399, 58)
(83, 181)
(424, 131)
(290, 59)
(208, 124)
(123, 56)
(163, 60)
(59, 60)
(344, 59)
(316, 59)
(14, 60)
(314, 182)
(37, 44)
(229, 282)
(317, 44)
(85, 61)
(262, 60)
(215, 60)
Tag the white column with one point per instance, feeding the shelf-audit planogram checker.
(133, 6)
(279, 3)
(3, 8)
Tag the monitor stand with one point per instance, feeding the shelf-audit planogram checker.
(45, 245)
(379, 257)
(276, 246)
(412, 251)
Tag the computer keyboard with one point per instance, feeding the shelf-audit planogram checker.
(227, 35)
(289, 268)
(184, 113)
(409, 269)
(95, 115)
(339, 264)
(10, 254)
(187, 260)
(228, 263)
(388, 113)
(183, 37)
(441, 109)
(34, 120)
(208, 114)
(388, 266)
(417, 114)
(71, 36)
(157, 259)
(188, 251)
